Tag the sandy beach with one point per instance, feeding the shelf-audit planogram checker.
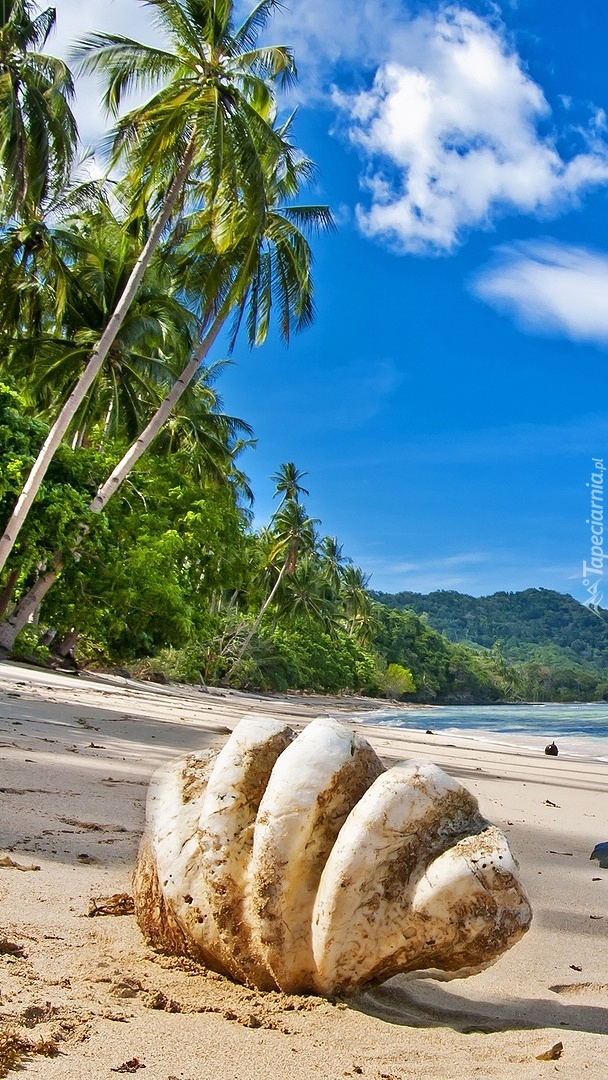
(77, 754)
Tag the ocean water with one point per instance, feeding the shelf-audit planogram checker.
(579, 730)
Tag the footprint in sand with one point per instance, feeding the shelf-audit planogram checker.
(580, 988)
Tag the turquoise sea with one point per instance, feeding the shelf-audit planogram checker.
(579, 730)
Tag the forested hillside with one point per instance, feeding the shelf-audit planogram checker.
(523, 623)
(535, 626)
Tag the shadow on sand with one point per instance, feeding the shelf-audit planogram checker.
(423, 1002)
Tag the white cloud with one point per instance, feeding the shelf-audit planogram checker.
(77, 18)
(325, 35)
(450, 131)
(550, 287)
(426, 575)
(444, 563)
(449, 128)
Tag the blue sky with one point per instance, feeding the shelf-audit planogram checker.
(452, 393)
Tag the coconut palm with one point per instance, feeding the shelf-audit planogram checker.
(332, 563)
(304, 594)
(37, 129)
(83, 264)
(357, 604)
(293, 532)
(271, 268)
(205, 134)
(287, 483)
(212, 438)
(36, 261)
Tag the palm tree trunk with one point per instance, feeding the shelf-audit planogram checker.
(7, 590)
(67, 643)
(257, 622)
(59, 428)
(135, 451)
(28, 604)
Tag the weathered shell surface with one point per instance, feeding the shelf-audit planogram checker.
(313, 787)
(301, 863)
(403, 888)
(229, 810)
(172, 902)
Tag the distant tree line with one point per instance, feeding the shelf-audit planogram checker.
(556, 649)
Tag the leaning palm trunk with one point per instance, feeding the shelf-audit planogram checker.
(32, 599)
(162, 414)
(257, 622)
(28, 603)
(63, 421)
(6, 592)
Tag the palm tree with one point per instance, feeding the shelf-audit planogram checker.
(332, 563)
(287, 483)
(83, 263)
(293, 532)
(205, 134)
(212, 438)
(304, 594)
(36, 261)
(38, 132)
(271, 268)
(357, 604)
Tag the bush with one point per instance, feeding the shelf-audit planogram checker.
(396, 681)
(28, 648)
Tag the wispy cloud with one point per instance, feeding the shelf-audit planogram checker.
(548, 287)
(444, 563)
(76, 19)
(450, 134)
(341, 395)
(458, 571)
(585, 435)
(475, 573)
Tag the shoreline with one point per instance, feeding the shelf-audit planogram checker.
(77, 754)
(290, 696)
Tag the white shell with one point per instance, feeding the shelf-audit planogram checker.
(313, 787)
(373, 917)
(230, 806)
(301, 863)
(172, 901)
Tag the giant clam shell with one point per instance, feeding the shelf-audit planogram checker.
(302, 864)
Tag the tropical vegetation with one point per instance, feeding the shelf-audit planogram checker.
(555, 647)
(125, 514)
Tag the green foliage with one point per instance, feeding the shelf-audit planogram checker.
(520, 622)
(319, 662)
(153, 564)
(536, 645)
(37, 128)
(395, 681)
(28, 648)
(66, 492)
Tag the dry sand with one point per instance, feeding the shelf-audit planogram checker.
(77, 753)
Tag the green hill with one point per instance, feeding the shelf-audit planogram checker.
(534, 625)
